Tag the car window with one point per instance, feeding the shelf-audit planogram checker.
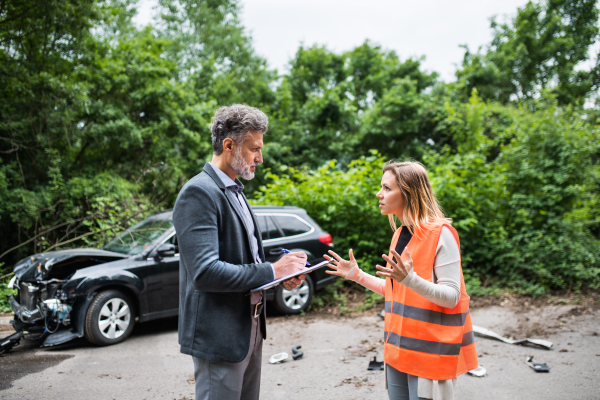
(173, 240)
(291, 225)
(273, 230)
(262, 225)
(268, 228)
(137, 238)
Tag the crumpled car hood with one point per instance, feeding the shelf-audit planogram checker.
(37, 266)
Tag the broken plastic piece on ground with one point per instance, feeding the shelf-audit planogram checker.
(296, 353)
(382, 314)
(60, 337)
(375, 365)
(11, 341)
(278, 358)
(537, 367)
(483, 332)
(479, 372)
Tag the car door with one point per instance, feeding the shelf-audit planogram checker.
(163, 283)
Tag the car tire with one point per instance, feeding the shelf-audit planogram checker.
(110, 318)
(296, 300)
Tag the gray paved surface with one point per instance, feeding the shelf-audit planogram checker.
(337, 351)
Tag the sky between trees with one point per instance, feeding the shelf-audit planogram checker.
(433, 29)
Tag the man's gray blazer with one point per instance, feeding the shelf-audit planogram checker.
(216, 271)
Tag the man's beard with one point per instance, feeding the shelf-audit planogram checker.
(240, 167)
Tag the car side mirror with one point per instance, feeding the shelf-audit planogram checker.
(166, 250)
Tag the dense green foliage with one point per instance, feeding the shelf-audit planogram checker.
(102, 122)
(5, 292)
(526, 215)
(538, 51)
(343, 202)
(523, 195)
(333, 106)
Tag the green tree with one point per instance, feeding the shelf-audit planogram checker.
(42, 47)
(312, 119)
(391, 125)
(99, 118)
(340, 106)
(208, 43)
(539, 50)
(372, 70)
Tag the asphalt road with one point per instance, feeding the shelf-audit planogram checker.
(337, 351)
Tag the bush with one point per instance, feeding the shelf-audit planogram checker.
(5, 292)
(342, 202)
(525, 215)
(79, 212)
(520, 186)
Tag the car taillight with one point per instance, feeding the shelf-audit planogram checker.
(326, 238)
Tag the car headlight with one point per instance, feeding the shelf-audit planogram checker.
(11, 283)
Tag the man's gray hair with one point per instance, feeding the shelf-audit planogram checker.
(235, 122)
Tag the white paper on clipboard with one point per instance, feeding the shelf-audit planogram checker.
(278, 281)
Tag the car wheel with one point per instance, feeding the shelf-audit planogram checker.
(296, 300)
(109, 319)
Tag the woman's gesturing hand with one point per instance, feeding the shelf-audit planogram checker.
(398, 270)
(340, 266)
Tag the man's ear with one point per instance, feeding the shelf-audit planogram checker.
(228, 144)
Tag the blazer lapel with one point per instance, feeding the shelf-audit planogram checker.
(257, 233)
(238, 209)
(233, 202)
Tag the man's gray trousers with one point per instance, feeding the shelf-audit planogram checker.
(229, 381)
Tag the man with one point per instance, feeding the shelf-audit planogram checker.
(221, 325)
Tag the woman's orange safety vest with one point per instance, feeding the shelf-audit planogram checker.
(422, 338)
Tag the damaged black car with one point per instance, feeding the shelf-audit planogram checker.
(101, 293)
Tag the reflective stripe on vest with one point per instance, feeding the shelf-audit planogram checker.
(425, 315)
(427, 346)
(422, 338)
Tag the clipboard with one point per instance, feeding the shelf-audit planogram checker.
(278, 281)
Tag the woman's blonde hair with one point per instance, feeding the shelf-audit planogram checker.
(421, 209)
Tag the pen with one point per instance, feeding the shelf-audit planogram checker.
(286, 251)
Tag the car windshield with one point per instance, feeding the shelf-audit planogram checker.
(137, 238)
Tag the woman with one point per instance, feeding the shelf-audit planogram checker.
(428, 332)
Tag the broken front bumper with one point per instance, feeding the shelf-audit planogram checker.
(25, 315)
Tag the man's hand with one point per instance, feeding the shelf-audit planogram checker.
(293, 283)
(288, 264)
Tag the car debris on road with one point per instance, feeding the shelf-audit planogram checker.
(537, 367)
(479, 372)
(296, 353)
(278, 358)
(375, 365)
(484, 332)
(9, 342)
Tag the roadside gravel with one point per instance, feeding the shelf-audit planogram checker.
(337, 350)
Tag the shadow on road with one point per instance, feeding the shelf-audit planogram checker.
(157, 326)
(140, 330)
(29, 360)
